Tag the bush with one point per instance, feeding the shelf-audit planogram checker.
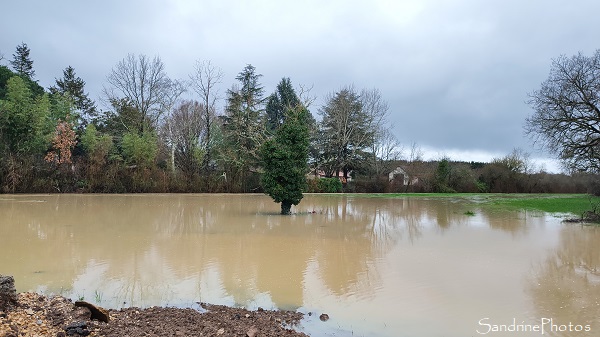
(311, 185)
(329, 185)
(140, 150)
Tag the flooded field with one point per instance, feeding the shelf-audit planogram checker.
(378, 267)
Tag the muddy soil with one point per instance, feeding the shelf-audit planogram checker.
(38, 315)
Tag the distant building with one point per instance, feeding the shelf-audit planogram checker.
(321, 174)
(407, 180)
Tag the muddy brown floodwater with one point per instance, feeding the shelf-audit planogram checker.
(378, 267)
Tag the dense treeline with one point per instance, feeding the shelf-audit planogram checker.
(449, 177)
(150, 139)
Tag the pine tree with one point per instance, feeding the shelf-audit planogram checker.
(21, 62)
(243, 123)
(73, 87)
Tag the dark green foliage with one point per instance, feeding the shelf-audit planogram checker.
(284, 160)
(441, 177)
(21, 62)
(243, 128)
(329, 185)
(6, 74)
(73, 87)
(284, 98)
(122, 119)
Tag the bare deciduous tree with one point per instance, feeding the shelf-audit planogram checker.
(186, 133)
(386, 150)
(204, 81)
(566, 118)
(146, 87)
(414, 165)
(306, 98)
(385, 146)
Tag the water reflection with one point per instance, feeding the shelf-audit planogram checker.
(139, 247)
(147, 249)
(384, 265)
(566, 285)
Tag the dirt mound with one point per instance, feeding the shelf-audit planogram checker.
(38, 315)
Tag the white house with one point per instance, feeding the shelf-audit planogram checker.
(407, 180)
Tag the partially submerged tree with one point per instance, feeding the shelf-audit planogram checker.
(284, 160)
(566, 118)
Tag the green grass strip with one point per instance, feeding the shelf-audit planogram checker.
(552, 203)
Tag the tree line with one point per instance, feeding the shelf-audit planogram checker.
(151, 139)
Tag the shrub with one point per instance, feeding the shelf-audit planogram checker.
(329, 185)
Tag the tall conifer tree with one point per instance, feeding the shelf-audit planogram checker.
(21, 62)
(73, 87)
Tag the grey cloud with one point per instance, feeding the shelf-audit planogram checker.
(456, 73)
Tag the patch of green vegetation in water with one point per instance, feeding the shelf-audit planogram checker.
(576, 204)
(552, 203)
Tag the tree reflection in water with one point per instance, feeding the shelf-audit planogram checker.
(566, 285)
(136, 247)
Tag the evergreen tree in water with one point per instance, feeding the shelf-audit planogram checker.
(284, 160)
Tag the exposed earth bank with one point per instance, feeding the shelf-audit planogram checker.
(38, 315)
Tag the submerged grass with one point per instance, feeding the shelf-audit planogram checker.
(576, 204)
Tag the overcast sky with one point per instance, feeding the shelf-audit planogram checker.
(455, 73)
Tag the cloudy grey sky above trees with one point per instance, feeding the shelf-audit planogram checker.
(456, 74)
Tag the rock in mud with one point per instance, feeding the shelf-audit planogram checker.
(324, 317)
(77, 329)
(8, 293)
